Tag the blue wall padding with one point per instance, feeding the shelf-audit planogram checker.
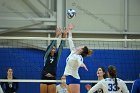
(28, 63)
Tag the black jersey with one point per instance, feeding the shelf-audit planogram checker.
(9, 87)
(51, 61)
(51, 64)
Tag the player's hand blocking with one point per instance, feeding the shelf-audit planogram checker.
(70, 26)
(58, 32)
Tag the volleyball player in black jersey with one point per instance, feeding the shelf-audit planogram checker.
(50, 64)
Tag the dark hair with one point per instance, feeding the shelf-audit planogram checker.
(113, 73)
(9, 68)
(103, 69)
(50, 46)
(85, 51)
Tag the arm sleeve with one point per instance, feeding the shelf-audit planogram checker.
(96, 87)
(49, 50)
(124, 88)
(60, 49)
(71, 44)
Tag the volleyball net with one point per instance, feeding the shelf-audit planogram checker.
(25, 56)
(93, 43)
(49, 81)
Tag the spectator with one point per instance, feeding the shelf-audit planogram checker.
(10, 87)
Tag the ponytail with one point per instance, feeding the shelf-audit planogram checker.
(86, 52)
(113, 73)
(116, 83)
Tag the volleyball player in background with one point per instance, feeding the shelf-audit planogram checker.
(101, 73)
(136, 86)
(9, 87)
(73, 62)
(62, 87)
(111, 84)
(50, 64)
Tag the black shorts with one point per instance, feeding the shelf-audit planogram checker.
(48, 78)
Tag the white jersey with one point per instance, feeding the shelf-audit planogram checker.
(61, 90)
(73, 61)
(108, 86)
(1, 91)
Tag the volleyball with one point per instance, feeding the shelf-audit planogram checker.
(71, 13)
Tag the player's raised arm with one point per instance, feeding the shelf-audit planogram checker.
(53, 43)
(71, 44)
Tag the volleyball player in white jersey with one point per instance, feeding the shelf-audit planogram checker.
(111, 84)
(62, 87)
(101, 73)
(73, 62)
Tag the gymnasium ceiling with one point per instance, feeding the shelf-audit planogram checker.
(31, 15)
(34, 17)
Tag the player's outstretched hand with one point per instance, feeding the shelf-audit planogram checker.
(65, 32)
(58, 32)
(70, 26)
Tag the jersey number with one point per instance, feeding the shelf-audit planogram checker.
(112, 87)
(51, 60)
